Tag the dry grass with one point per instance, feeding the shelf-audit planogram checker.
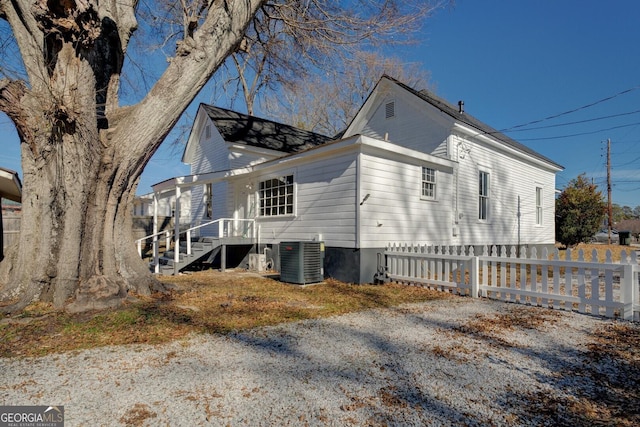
(203, 302)
(601, 250)
(138, 415)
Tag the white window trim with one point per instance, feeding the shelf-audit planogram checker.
(435, 184)
(539, 207)
(487, 218)
(294, 195)
(208, 201)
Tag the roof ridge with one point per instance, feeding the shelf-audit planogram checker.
(468, 119)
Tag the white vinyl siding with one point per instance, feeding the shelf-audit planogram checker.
(509, 178)
(415, 125)
(393, 213)
(210, 154)
(325, 203)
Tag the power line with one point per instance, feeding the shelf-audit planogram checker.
(628, 163)
(580, 134)
(573, 110)
(575, 122)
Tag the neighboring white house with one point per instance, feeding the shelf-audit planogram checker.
(409, 168)
(143, 205)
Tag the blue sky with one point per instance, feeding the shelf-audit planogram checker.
(516, 62)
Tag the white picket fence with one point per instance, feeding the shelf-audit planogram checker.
(608, 289)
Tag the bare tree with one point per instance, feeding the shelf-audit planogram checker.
(83, 153)
(286, 44)
(327, 103)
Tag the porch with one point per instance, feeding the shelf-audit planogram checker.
(203, 242)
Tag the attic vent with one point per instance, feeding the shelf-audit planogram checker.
(390, 109)
(207, 131)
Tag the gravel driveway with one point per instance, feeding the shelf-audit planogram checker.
(456, 361)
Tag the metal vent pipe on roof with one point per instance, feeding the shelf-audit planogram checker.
(460, 106)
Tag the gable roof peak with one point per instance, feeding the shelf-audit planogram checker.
(459, 115)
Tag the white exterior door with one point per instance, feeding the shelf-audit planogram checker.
(245, 210)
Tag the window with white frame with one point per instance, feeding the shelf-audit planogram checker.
(483, 196)
(276, 196)
(428, 183)
(538, 205)
(208, 201)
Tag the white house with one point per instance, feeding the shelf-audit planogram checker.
(409, 168)
(166, 204)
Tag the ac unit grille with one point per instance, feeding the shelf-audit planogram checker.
(301, 262)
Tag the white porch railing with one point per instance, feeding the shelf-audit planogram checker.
(155, 244)
(226, 227)
(610, 289)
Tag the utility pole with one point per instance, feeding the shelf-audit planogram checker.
(609, 206)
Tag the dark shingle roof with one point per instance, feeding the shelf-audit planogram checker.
(465, 118)
(249, 130)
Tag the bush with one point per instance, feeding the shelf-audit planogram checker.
(580, 210)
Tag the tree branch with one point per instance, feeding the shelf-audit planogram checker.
(29, 38)
(218, 36)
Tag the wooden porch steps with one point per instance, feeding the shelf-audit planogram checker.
(203, 250)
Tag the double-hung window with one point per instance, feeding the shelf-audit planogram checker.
(276, 196)
(483, 196)
(428, 183)
(538, 206)
(208, 201)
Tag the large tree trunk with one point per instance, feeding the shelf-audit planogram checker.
(76, 248)
(82, 154)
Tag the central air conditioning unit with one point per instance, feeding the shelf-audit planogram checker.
(257, 262)
(301, 262)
